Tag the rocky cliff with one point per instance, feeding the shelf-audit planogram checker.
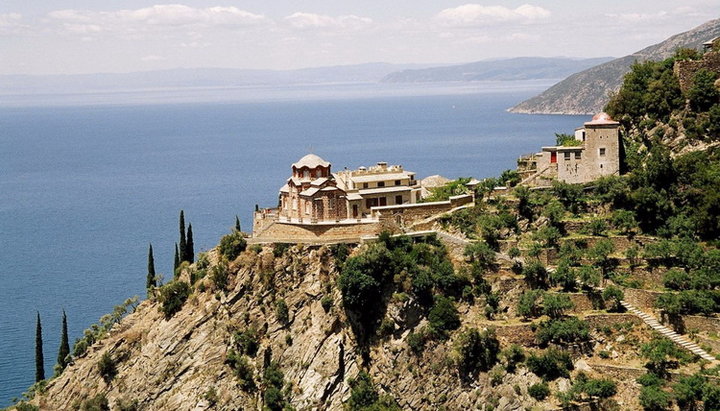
(588, 91)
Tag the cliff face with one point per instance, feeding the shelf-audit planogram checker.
(588, 91)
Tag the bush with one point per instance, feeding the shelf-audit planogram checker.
(25, 406)
(550, 365)
(564, 276)
(247, 342)
(220, 275)
(416, 341)
(106, 367)
(477, 351)
(172, 296)
(242, 370)
(443, 315)
(597, 227)
(481, 254)
(279, 249)
(654, 398)
(614, 295)
(535, 274)
(539, 391)
(624, 221)
(513, 356)
(554, 305)
(232, 245)
(281, 311)
(564, 331)
(326, 302)
(127, 405)
(96, 403)
(364, 396)
(528, 304)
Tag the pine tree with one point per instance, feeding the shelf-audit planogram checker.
(151, 282)
(189, 246)
(64, 350)
(39, 359)
(183, 243)
(176, 264)
(237, 224)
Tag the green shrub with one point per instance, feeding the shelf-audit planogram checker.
(563, 331)
(242, 370)
(443, 315)
(107, 367)
(364, 396)
(326, 302)
(513, 355)
(535, 274)
(614, 295)
(96, 403)
(220, 274)
(416, 341)
(232, 245)
(279, 249)
(564, 276)
(26, 406)
(597, 227)
(127, 405)
(551, 364)
(654, 398)
(172, 297)
(477, 351)
(481, 254)
(529, 304)
(496, 375)
(281, 311)
(539, 391)
(555, 305)
(247, 341)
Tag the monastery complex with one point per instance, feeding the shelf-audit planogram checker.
(318, 205)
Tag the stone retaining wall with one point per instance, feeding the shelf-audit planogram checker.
(602, 320)
(643, 299)
(312, 233)
(701, 323)
(685, 70)
(521, 334)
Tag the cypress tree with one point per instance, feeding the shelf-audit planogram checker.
(183, 243)
(237, 224)
(177, 258)
(64, 350)
(39, 359)
(150, 282)
(189, 246)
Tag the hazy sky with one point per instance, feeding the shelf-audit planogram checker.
(87, 36)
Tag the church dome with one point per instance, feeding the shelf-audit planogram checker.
(311, 161)
(602, 118)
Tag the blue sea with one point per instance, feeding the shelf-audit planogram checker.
(88, 181)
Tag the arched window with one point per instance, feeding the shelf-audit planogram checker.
(308, 204)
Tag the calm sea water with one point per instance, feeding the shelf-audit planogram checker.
(85, 187)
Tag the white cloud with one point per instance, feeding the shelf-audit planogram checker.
(11, 23)
(305, 21)
(640, 17)
(157, 17)
(152, 57)
(476, 14)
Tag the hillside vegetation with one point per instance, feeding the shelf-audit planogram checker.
(518, 302)
(588, 91)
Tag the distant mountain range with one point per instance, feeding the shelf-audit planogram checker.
(588, 91)
(520, 68)
(196, 77)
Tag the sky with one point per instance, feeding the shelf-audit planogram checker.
(91, 36)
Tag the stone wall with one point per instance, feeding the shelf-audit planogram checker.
(686, 69)
(316, 233)
(642, 299)
(609, 319)
(408, 214)
(700, 323)
(521, 334)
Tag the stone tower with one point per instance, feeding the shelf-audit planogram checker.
(602, 147)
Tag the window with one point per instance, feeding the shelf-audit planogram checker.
(307, 207)
(306, 173)
(602, 151)
(567, 155)
(577, 155)
(397, 182)
(371, 202)
(295, 203)
(365, 185)
(398, 200)
(381, 184)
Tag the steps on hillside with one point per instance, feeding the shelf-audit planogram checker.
(672, 335)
